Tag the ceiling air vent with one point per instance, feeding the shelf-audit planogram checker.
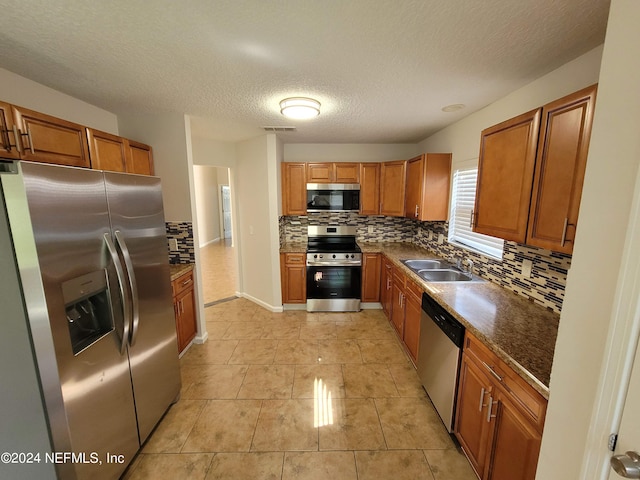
(279, 129)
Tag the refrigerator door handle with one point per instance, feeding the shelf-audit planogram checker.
(121, 282)
(132, 285)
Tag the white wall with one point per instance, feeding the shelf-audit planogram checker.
(462, 139)
(256, 192)
(348, 152)
(208, 206)
(612, 166)
(26, 93)
(167, 135)
(213, 152)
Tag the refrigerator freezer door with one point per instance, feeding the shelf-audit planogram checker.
(68, 213)
(137, 220)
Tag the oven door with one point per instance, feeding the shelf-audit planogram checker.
(333, 288)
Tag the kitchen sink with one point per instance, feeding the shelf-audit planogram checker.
(448, 275)
(416, 265)
(433, 270)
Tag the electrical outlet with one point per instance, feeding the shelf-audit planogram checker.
(370, 229)
(430, 235)
(440, 238)
(526, 268)
(173, 244)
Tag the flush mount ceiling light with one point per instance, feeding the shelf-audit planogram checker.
(300, 107)
(453, 108)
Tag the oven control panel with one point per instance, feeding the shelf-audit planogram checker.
(334, 258)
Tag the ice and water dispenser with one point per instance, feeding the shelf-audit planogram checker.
(88, 309)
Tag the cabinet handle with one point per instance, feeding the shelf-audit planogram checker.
(187, 282)
(28, 134)
(490, 409)
(416, 211)
(481, 400)
(492, 371)
(16, 134)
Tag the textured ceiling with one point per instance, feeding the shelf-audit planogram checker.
(382, 69)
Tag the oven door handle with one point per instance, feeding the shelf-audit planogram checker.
(355, 263)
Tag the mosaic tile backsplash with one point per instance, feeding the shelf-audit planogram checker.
(549, 269)
(182, 232)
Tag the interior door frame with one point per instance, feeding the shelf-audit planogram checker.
(620, 352)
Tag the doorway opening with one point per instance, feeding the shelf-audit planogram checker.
(218, 256)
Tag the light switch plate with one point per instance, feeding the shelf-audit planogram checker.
(370, 229)
(440, 238)
(173, 244)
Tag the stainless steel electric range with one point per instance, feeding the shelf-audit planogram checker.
(334, 269)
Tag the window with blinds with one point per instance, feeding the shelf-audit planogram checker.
(462, 203)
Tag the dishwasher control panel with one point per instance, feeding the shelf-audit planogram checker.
(451, 327)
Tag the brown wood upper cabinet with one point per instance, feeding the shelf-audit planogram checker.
(559, 172)
(117, 154)
(333, 172)
(392, 188)
(294, 189)
(505, 175)
(369, 189)
(531, 171)
(428, 180)
(107, 151)
(139, 158)
(43, 138)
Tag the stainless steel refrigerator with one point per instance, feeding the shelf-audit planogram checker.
(88, 352)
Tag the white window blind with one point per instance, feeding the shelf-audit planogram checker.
(462, 202)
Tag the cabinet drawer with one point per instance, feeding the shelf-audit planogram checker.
(526, 398)
(413, 289)
(182, 283)
(295, 258)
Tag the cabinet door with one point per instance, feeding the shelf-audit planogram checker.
(347, 172)
(107, 152)
(140, 158)
(505, 177)
(8, 147)
(516, 444)
(51, 140)
(471, 426)
(436, 187)
(392, 187)
(559, 174)
(386, 286)
(413, 195)
(320, 173)
(412, 314)
(186, 318)
(294, 278)
(294, 189)
(371, 277)
(398, 305)
(369, 189)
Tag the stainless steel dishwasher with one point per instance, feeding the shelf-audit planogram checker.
(441, 338)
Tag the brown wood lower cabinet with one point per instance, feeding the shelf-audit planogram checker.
(402, 303)
(499, 418)
(293, 273)
(184, 305)
(370, 277)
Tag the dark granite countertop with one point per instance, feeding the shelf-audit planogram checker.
(520, 332)
(178, 269)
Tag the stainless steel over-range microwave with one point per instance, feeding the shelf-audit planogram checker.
(334, 197)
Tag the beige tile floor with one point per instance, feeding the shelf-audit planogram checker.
(219, 276)
(299, 395)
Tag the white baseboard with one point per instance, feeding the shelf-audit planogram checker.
(272, 308)
(210, 241)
